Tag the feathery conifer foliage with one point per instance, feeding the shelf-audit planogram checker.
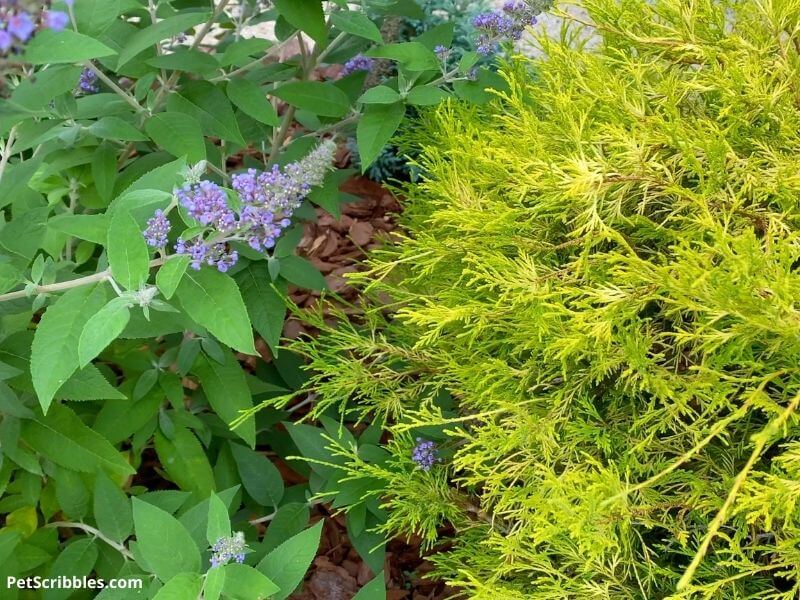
(594, 315)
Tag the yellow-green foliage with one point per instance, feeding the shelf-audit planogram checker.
(597, 301)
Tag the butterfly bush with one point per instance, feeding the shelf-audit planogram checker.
(227, 549)
(508, 23)
(358, 63)
(87, 83)
(19, 23)
(425, 454)
(267, 200)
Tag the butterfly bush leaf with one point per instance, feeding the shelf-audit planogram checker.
(170, 274)
(67, 441)
(164, 29)
(287, 564)
(128, 255)
(212, 299)
(54, 353)
(50, 47)
(102, 329)
(167, 545)
(243, 582)
(376, 127)
(112, 509)
(219, 524)
(260, 478)
(225, 387)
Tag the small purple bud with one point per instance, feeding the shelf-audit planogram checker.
(425, 454)
(87, 82)
(158, 228)
(21, 26)
(5, 41)
(56, 20)
(358, 63)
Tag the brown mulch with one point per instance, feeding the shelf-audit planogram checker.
(336, 246)
(337, 572)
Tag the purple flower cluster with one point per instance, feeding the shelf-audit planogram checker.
(213, 254)
(18, 23)
(88, 82)
(508, 23)
(267, 201)
(157, 230)
(357, 63)
(227, 549)
(207, 203)
(425, 454)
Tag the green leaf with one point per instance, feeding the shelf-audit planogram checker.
(64, 439)
(54, 353)
(400, 8)
(149, 36)
(252, 101)
(305, 15)
(214, 584)
(265, 304)
(195, 519)
(191, 61)
(184, 586)
(287, 564)
(312, 443)
(164, 541)
(357, 24)
(104, 172)
(245, 583)
(290, 519)
(102, 329)
(141, 204)
(35, 93)
(128, 255)
(114, 128)
(226, 389)
(163, 178)
(95, 16)
(370, 546)
(260, 478)
(468, 61)
(209, 105)
(426, 95)
(177, 133)
(413, 56)
(477, 91)
(49, 47)
(240, 52)
(380, 94)
(88, 384)
(185, 461)
(441, 35)
(24, 234)
(93, 228)
(319, 98)
(302, 273)
(374, 589)
(76, 560)
(213, 300)
(376, 127)
(9, 277)
(170, 274)
(112, 509)
(219, 523)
